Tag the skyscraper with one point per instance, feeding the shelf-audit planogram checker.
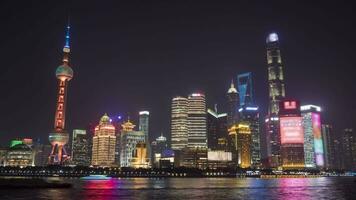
(245, 88)
(179, 123)
(129, 139)
(59, 137)
(217, 130)
(328, 145)
(250, 115)
(104, 140)
(232, 104)
(349, 149)
(144, 127)
(292, 135)
(241, 141)
(197, 121)
(276, 93)
(80, 145)
(313, 141)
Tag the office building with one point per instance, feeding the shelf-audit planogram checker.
(292, 134)
(250, 116)
(313, 141)
(232, 105)
(140, 159)
(349, 149)
(328, 145)
(129, 139)
(217, 130)
(80, 149)
(104, 140)
(20, 155)
(179, 123)
(197, 121)
(276, 89)
(144, 127)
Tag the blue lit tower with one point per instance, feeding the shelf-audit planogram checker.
(245, 88)
(59, 137)
(276, 94)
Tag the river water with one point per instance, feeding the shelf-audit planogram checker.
(195, 188)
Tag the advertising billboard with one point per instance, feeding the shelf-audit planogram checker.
(318, 141)
(291, 130)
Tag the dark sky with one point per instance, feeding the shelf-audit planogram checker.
(138, 55)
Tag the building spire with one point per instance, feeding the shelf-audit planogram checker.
(232, 88)
(66, 48)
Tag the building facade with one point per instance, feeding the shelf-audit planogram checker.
(129, 139)
(241, 140)
(292, 134)
(144, 127)
(104, 140)
(276, 89)
(250, 115)
(80, 145)
(197, 136)
(232, 105)
(179, 123)
(217, 130)
(349, 149)
(328, 145)
(313, 141)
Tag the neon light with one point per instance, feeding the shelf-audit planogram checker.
(251, 108)
(309, 107)
(291, 130)
(196, 95)
(241, 109)
(290, 105)
(144, 113)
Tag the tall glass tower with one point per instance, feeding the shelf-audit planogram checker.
(179, 126)
(276, 94)
(197, 136)
(144, 127)
(244, 85)
(275, 73)
(59, 137)
(232, 103)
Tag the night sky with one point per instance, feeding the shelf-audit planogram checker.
(132, 56)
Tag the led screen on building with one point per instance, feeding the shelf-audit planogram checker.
(318, 141)
(291, 130)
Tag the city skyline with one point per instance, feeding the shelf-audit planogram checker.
(225, 65)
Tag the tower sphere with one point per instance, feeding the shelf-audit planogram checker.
(58, 138)
(272, 37)
(64, 72)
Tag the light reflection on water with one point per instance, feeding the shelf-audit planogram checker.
(196, 188)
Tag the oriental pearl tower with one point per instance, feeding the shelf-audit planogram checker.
(59, 136)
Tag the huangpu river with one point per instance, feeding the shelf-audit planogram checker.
(195, 188)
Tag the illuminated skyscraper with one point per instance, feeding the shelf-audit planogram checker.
(217, 130)
(129, 139)
(328, 144)
(144, 127)
(241, 139)
(80, 145)
(292, 135)
(275, 73)
(197, 121)
(313, 141)
(276, 93)
(232, 103)
(179, 123)
(245, 88)
(250, 115)
(139, 159)
(104, 140)
(349, 149)
(59, 137)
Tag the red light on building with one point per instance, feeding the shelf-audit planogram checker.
(290, 105)
(291, 130)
